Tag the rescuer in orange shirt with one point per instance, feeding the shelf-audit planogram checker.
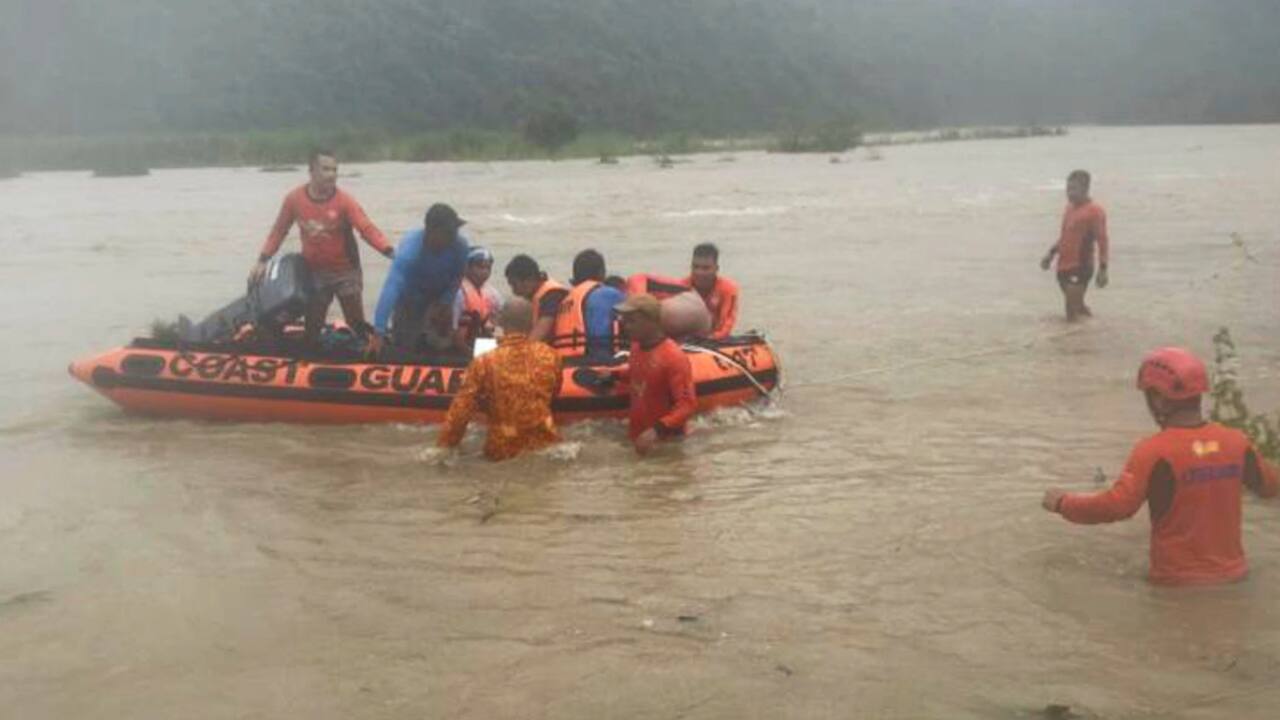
(1190, 474)
(327, 219)
(718, 292)
(1084, 225)
(659, 375)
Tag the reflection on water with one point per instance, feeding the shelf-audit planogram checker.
(871, 546)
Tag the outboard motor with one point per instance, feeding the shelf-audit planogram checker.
(281, 297)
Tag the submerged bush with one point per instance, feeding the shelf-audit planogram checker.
(1229, 407)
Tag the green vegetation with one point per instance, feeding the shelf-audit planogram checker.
(1229, 407)
(959, 134)
(164, 331)
(287, 150)
(551, 128)
(552, 136)
(121, 170)
(835, 136)
(168, 84)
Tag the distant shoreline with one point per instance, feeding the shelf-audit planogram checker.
(122, 155)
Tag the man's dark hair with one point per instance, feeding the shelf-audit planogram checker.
(522, 267)
(443, 217)
(1081, 175)
(1194, 403)
(707, 250)
(317, 153)
(588, 265)
(616, 282)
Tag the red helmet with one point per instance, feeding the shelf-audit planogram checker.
(1174, 373)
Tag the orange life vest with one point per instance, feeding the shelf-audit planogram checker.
(476, 312)
(570, 333)
(547, 286)
(569, 336)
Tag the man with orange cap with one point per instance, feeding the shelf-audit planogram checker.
(1191, 475)
(663, 396)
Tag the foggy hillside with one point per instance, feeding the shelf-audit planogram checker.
(640, 66)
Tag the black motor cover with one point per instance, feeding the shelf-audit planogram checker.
(281, 297)
(283, 293)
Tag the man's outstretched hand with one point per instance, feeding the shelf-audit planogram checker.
(1052, 500)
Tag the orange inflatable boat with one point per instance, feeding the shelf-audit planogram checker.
(247, 383)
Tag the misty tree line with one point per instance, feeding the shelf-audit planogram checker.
(636, 66)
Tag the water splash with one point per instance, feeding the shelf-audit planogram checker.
(728, 212)
(562, 452)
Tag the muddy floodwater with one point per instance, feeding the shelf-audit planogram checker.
(871, 546)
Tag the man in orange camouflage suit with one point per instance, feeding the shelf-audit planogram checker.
(514, 386)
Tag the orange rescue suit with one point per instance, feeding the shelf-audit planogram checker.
(1191, 479)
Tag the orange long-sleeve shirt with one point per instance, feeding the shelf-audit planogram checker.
(1083, 226)
(514, 386)
(663, 396)
(325, 228)
(1191, 479)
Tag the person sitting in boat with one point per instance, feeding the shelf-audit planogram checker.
(718, 292)
(1192, 475)
(528, 281)
(514, 386)
(659, 374)
(586, 323)
(417, 296)
(477, 302)
(325, 216)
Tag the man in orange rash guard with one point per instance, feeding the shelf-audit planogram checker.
(1190, 474)
(325, 217)
(1084, 224)
(660, 376)
(718, 292)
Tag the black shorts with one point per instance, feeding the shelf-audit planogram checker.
(1079, 276)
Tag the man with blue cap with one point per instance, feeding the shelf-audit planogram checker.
(416, 304)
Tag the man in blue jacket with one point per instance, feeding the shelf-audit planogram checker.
(417, 297)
